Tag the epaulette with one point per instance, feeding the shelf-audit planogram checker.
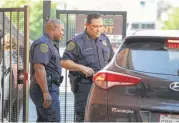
(104, 35)
(78, 36)
(69, 41)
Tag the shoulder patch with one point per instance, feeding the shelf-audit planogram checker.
(44, 48)
(71, 45)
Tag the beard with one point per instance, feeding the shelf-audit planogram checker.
(97, 35)
(58, 38)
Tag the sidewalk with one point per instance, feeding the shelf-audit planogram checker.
(32, 112)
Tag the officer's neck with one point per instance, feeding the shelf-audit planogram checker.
(49, 35)
(90, 36)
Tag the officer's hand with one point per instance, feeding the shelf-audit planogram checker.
(47, 100)
(87, 71)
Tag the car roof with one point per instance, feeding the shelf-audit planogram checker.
(157, 33)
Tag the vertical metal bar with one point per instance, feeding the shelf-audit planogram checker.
(46, 12)
(17, 115)
(74, 95)
(2, 80)
(26, 63)
(124, 25)
(57, 43)
(57, 15)
(10, 79)
(66, 71)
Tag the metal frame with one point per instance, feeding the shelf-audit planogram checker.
(46, 12)
(123, 13)
(12, 9)
(25, 10)
(26, 63)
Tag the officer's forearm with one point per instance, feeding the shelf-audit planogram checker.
(70, 65)
(40, 76)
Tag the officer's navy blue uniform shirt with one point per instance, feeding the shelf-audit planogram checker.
(84, 50)
(43, 51)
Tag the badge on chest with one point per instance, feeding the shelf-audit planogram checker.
(104, 43)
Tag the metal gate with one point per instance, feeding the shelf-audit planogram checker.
(115, 28)
(14, 64)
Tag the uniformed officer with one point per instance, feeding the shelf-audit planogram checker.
(86, 54)
(46, 72)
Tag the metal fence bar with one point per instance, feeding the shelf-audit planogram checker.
(11, 9)
(124, 25)
(87, 12)
(66, 71)
(2, 79)
(17, 104)
(26, 64)
(46, 12)
(10, 81)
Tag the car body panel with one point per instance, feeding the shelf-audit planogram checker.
(154, 97)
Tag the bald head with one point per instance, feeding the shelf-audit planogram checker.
(55, 29)
(51, 23)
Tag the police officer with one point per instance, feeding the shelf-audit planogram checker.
(86, 54)
(46, 72)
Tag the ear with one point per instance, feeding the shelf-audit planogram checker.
(53, 27)
(87, 24)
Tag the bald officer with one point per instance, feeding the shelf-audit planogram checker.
(86, 54)
(46, 72)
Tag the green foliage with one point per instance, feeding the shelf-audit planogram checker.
(36, 14)
(173, 20)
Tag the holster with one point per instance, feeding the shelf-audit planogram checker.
(53, 80)
(57, 81)
(74, 81)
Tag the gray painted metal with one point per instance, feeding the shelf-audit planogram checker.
(46, 12)
(10, 23)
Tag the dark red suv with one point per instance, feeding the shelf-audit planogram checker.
(141, 83)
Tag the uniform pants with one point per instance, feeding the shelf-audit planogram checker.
(81, 97)
(51, 114)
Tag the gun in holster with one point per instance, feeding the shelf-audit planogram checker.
(74, 81)
(54, 80)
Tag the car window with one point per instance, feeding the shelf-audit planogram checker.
(149, 56)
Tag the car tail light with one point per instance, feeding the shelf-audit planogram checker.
(107, 79)
(173, 43)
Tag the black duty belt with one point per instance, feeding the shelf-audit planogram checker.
(55, 80)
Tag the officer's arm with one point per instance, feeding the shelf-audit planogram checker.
(41, 57)
(40, 76)
(70, 56)
(71, 65)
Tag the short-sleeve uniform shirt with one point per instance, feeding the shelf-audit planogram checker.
(44, 52)
(94, 53)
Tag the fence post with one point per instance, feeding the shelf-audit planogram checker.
(26, 64)
(46, 12)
